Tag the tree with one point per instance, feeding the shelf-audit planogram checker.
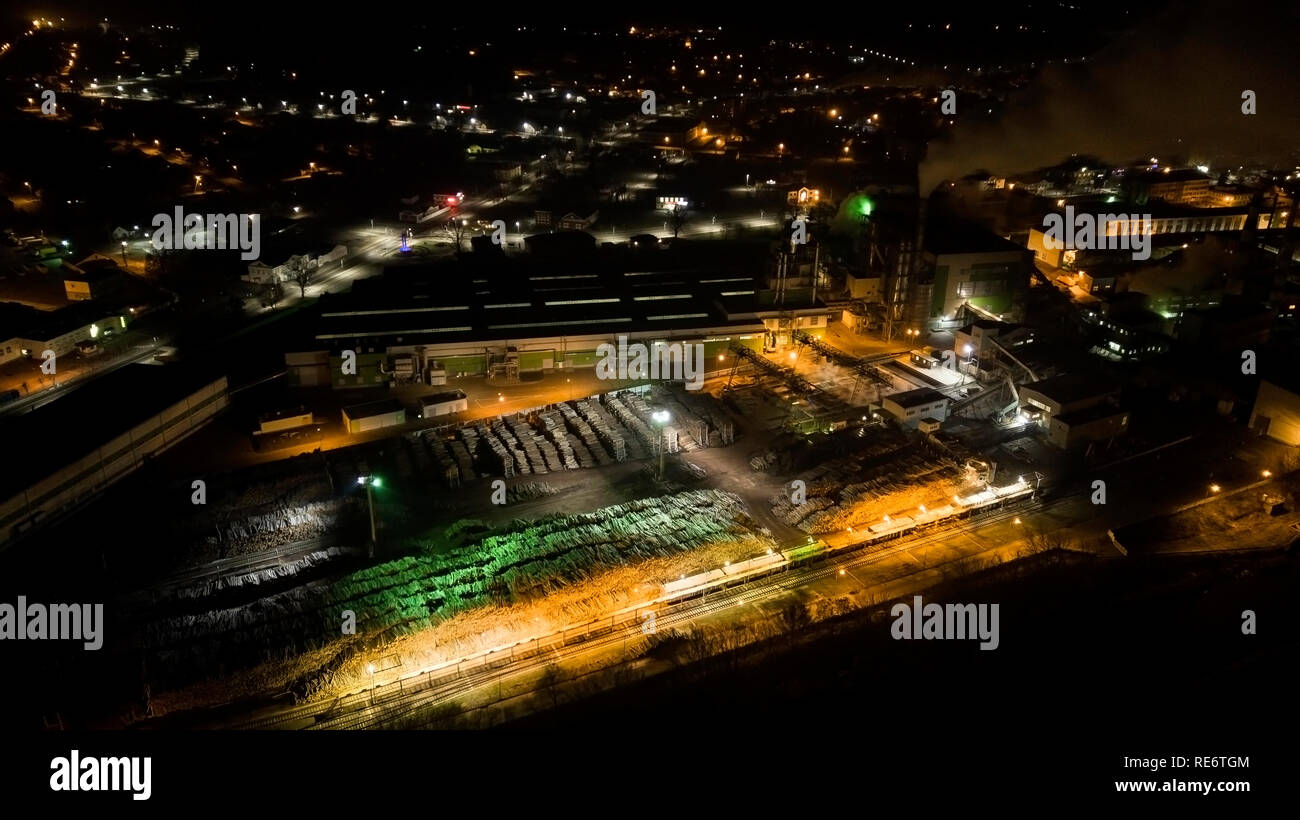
(550, 681)
(795, 618)
(455, 230)
(302, 276)
(677, 218)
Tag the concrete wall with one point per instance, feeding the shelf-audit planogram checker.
(1066, 436)
(445, 408)
(1037, 244)
(285, 423)
(308, 369)
(864, 287)
(368, 370)
(1276, 414)
(986, 280)
(365, 423)
(911, 416)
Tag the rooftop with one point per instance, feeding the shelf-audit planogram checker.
(606, 292)
(381, 407)
(1089, 414)
(916, 398)
(22, 321)
(89, 416)
(1071, 387)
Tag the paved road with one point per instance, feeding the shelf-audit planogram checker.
(41, 397)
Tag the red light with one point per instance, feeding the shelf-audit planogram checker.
(451, 200)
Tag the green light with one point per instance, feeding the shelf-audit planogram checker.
(376, 481)
(866, 207)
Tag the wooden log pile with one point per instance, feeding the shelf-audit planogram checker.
(463, 460)
(633, 422)
(609, 431)
(438, 449)
(508, 440)
(502, 461)
(553, 423)
(693, 431)
(410, 593)
(524, 435)
(579, 426)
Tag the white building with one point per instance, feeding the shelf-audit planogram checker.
(909, 408)
(261, 272)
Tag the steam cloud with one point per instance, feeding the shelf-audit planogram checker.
(1171, 87)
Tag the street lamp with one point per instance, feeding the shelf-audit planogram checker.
(661, 417)
(371, 481)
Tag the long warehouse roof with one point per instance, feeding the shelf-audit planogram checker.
(519, 297)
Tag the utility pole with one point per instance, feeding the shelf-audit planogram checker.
(661, 418)
(370, 501)
(371, 481)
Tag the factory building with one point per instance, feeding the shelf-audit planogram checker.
(443, 404)
(971, 265)
(511, 316)
(374, 415)
(910, 409)
(1076, 409)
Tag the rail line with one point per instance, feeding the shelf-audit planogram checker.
(789, 569)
